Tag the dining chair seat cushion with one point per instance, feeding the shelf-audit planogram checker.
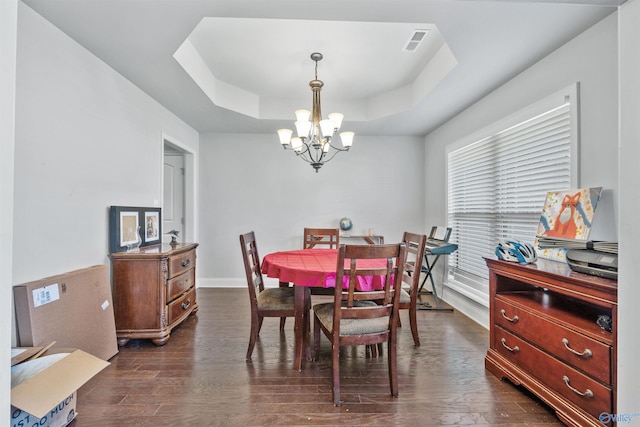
(324, 313)
(405, 297)
(276, 299)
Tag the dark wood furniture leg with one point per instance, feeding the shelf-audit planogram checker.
(301, 327)
(300, 305)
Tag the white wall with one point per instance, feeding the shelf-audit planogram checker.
(629, 175)
(591, 59)
(248, 182)
(86, 138)
(8, 32)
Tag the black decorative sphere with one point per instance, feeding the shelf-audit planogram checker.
(345, 224)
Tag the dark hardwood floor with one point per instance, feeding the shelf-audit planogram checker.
(200, 378)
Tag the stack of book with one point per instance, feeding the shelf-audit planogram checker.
(545, 242)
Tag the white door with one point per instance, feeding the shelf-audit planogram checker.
(173, 200)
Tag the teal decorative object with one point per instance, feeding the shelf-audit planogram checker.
(345, 224)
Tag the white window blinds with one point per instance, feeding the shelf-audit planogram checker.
(497, 185)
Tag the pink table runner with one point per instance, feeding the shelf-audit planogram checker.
(316, 267)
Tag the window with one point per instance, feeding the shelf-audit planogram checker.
(497, 183)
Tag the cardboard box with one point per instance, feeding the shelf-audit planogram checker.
(74, 309)
(44, 390)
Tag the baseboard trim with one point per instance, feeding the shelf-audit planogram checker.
(231, 282)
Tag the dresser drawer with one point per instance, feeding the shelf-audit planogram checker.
(180, 306)
(180, 284)
(556, 375)
(178, 264)
(591, 356)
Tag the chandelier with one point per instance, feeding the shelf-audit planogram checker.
(313, 143)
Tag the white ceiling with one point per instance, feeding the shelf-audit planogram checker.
(243, 66)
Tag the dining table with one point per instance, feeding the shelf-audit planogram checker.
(310, 269)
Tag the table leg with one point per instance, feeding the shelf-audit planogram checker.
(301, 324)
(307, 323)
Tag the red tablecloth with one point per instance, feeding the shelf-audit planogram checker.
(316, 267)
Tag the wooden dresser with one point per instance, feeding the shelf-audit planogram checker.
(544, 336)
(153, 291)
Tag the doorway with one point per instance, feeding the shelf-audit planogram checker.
(177, 192)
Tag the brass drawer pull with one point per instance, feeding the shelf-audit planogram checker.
(186, 262)
(587, 393)
(585, 353)
(186, 304)
(512, 320)
(512, 350)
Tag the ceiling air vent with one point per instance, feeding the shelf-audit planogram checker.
(415, 40)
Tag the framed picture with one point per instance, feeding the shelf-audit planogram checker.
(152, 226)
(134, 227)
(129, 228)
(567, 214)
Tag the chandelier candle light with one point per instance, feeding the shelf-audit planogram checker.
(313, 143)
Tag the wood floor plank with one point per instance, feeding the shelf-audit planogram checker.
(200, 377)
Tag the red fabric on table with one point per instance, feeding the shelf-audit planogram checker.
(316, 267)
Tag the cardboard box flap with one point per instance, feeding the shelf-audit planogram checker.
(44, 390)
(22, 354)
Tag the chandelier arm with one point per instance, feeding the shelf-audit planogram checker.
(325, 159)
(303, 158)
(301, 154)
(307, 154)
(338, 148)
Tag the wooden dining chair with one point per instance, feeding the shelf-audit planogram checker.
(265, 302)
(353, 318)
(321, 237)
(415, 244)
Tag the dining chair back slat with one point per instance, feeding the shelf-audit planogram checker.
(321, 237)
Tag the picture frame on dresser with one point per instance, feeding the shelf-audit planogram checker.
(152, 226)
(124, 221)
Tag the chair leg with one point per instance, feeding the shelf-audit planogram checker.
(375, 350)
(335, 367)
(316, 339)
(256, 323)
(393, 365)
(413, 321)
(282, 321)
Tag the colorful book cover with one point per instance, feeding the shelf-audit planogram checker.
(567, 214)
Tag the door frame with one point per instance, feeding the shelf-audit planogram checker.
(190, 185)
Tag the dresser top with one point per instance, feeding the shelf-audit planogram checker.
(160, 251)
(557, 276)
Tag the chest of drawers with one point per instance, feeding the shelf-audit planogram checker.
(544, 336)
(153, 291)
